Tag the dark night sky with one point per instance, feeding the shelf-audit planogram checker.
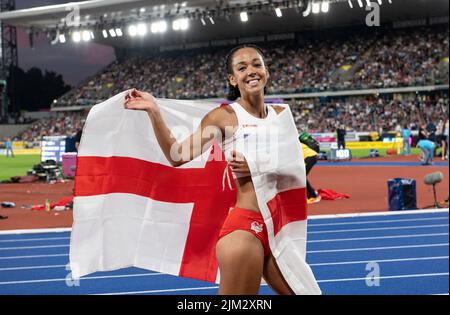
(74, 61)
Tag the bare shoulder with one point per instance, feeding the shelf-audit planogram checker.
(278, 109)
(221, 116)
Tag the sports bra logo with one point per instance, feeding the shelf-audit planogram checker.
(245, 126)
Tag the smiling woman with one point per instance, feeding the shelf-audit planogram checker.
(243, 252)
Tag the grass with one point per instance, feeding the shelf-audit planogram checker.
(17, 166)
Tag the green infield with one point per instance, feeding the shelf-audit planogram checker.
(17, 166)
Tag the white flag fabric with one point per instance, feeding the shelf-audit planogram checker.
(132, 208)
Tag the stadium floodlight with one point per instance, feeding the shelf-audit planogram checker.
(203, 21)
(180, 24)
(132, 30)
(105, 34)
(350, 4)
(380, 2)
(325, 7)
(112, 33)
(142, 10)
(278, 12)
(158, 27)
(142, 29)
(307, 10)
(368, 4)
(92, 35)
(62, 38)
(86, 35)
(76, 37)
(185, 24)
(315, 7)
(211, 20)
(244, 16)
(360, 3)
(119, 32)
(390, 1)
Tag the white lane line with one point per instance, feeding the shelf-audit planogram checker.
(375, 214)
(82, 279)
(33, 247)
(379, 261)
(35, 239)
(312, 241)
(379, 221)
(387, 277)
(318, 264)
(166, 290)
(33, 256)
(320, 281)
(310, 225)
(33, 267)
(374, 248)
(312, 217)
(35, 231)
(309, 252)
(380, 229)
(376, 238)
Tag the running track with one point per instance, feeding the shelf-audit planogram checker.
(410, 249)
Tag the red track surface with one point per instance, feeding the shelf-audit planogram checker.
(367, 186)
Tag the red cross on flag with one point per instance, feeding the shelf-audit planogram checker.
(132, 208)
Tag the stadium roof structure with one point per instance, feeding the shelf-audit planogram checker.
(209, 19)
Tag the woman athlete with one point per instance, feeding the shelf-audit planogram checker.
(242, 251)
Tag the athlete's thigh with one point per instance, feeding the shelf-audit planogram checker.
(241, 259)
(274, 278)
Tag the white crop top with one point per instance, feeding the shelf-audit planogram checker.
(246, 134)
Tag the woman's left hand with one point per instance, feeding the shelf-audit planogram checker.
(239, 164)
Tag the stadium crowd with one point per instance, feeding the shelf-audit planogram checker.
(315, 115)
(371, 113)
(397, 58)
(64, 124)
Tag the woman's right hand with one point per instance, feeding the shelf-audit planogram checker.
(138, 100)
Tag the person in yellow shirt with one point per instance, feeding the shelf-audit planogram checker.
(310, 149)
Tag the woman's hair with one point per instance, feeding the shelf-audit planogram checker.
(233, 92)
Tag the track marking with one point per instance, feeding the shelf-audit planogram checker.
(33, 256)
(376, 238)
(375, 248)
(33, 247)
(81, 279)
(380, 229)
(312, 217)
(308, 252)
(379, 261)
(313, 241)
(317, 264)
(388, 277)
(35, 239)
(167, 290)
(320, 281)
(374, 214)
(33, 267)
(380, 221)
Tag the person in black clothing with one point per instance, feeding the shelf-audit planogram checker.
(341, 137)
(78, 139)
(431, 130)
(422, 133)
